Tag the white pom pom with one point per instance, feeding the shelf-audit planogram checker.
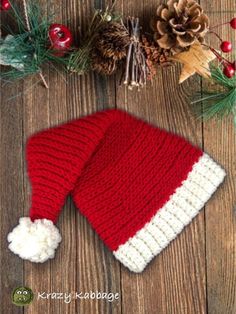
(35, 241)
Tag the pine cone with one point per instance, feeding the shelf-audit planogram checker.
(105, 66)
(154, 52)
(178, 24)
(112, 41)
(110, 48)
(155, 56)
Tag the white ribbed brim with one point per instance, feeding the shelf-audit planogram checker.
(188, 199)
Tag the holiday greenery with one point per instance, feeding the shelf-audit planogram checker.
(177, 34)
(26, 51)
(220, 100)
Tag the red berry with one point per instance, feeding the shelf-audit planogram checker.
(4, 5)
(234, 65)
(60, 38)
(229, 71)
(226, 46)
(233, 23)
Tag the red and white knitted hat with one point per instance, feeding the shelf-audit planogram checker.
(137, 185)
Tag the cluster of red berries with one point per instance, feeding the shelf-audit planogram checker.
(226, 47)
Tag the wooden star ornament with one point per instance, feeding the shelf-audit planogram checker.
(195, 60)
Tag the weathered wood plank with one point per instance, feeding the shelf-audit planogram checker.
(220, 142)
(12, 195)
(36, 116)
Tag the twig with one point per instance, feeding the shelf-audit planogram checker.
(28, 28)
(128, 58)
(43, 79)
(26, 15)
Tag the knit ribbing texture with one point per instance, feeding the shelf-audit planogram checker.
(134, 182)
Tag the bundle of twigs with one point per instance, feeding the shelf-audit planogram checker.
(136, 71)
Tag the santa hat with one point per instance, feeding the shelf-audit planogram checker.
(137, 185)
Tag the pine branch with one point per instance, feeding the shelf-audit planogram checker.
(27, 50)
(28, 28)
(219, 102)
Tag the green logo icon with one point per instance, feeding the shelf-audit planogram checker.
(22, 296)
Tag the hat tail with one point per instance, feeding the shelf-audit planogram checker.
(55, 159)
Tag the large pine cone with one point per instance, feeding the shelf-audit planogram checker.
(179, 23)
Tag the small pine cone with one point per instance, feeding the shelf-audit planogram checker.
(112, 41)
(105, 66)
(178, 24)
(154, 53)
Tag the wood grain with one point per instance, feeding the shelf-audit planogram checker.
(220, 141)
(196, 273)
(12, 194)
(173, 279)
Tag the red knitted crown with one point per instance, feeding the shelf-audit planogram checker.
(137, 185)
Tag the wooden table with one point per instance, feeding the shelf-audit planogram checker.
(196, 273)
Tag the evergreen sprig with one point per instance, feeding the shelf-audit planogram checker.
(80, 59)
(221, 101)
(26, 51)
